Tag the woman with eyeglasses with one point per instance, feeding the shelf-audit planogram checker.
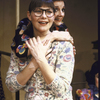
(18, 46)
(42, 78)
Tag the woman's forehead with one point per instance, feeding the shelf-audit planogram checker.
(43, 7)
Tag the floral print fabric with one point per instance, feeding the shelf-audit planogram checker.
(61, 61)
(22, 34)
(18, 44)
(61, 27)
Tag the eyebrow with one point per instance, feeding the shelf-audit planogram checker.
(58, 6)
(43, 8)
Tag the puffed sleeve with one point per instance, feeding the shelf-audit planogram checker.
(18, 45)
(64, 70)
(11, 81)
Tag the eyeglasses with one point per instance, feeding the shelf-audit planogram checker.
(39, 12)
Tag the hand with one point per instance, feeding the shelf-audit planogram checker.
(38, 49)
(60, 36)
(48, 52)
(64, 36)
(74, 50)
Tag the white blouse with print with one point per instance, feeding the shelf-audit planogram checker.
(61, 61)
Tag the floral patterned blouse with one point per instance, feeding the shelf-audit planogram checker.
(61, 61)
(24, 32)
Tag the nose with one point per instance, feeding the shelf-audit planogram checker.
(44, 14)
(61, 13)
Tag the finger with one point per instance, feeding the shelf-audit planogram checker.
(48, 51)
(46, 42)
(48, 56)
(71, 39)
(34, 41)
(74, 51)
(28, 45)
(43, 42)
(47, 45)
(73, 47)
(31, 42)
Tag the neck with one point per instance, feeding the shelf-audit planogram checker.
(42, 35)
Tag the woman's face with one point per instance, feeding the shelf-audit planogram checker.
(41, 22)
(60, 12)
(97, 80)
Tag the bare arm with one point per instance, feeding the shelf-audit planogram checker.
(60, 35)
(37, 51)
(26, 74)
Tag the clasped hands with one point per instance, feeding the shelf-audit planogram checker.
(39, 49)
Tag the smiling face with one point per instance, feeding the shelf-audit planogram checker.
(60, 12)
(41, 24)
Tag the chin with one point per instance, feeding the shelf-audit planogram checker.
(57, 23)
(43, 30)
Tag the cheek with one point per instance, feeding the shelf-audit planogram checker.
(52, 19)
(63, 14)
(56, 14)
(33, 17)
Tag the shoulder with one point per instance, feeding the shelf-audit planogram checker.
(62, 45)
(64, 25)
(23, 24)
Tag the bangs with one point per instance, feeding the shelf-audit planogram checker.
(39, 3)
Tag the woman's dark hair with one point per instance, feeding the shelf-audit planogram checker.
(38, 3)
(61, 0)
(58, 0)
(90, 75)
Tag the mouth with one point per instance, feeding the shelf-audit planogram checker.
(58, 19)
(43, 23)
